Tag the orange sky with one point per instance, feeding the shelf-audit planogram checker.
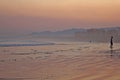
(59, 14)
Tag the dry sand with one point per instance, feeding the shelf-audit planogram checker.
(63, 61)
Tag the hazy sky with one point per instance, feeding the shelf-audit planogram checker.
(38, 15)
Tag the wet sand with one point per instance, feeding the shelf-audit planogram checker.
(63, 61)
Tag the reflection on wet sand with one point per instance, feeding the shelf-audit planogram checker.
(115, 54)
(60, 62)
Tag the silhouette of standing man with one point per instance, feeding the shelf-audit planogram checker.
(111, 42)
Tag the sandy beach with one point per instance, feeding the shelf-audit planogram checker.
(62, 61)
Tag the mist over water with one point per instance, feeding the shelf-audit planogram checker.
(69, 35)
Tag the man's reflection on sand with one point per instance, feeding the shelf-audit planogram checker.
(111, 53)
(114, 54)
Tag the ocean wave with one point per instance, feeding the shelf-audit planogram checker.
(12, 45)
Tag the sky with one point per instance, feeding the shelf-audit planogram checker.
(19, 16)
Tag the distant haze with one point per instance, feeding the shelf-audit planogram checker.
(24, 16)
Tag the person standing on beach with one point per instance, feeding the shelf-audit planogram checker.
(111, 42)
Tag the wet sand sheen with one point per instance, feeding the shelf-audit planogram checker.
(76, 61)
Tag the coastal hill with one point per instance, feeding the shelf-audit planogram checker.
(99, 35)
(84, 35)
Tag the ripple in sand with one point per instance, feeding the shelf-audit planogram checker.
(13, 78)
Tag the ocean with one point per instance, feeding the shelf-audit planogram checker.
(20, 42)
